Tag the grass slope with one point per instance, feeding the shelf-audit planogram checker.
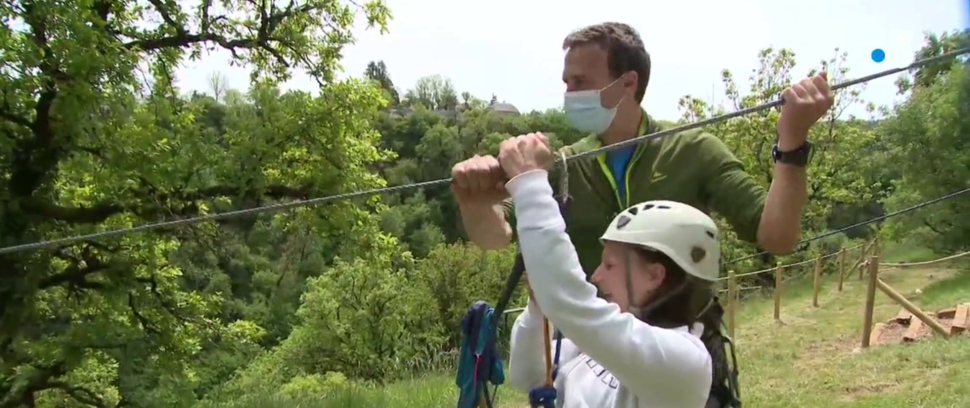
(809, 360)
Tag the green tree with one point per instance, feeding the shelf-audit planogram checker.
(377, 71)
(935, 45)
(928, 136)
(433, 92)
(88, 146)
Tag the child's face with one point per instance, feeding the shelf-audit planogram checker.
(611, 279)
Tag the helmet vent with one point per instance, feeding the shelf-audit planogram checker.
(663, 207)
(622, 221)
(632, 211)
(697, 254)
(647, 207)
(710, 234)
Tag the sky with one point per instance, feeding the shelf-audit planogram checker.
(512, 48)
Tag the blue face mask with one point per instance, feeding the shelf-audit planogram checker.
(585, 112)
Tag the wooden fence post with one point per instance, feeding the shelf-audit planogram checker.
(817, 280)
(841, 268)
(866, 252)
(732, 303)
(870, 300)
(779, 269)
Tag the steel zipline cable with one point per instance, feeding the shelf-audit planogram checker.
(445, 181)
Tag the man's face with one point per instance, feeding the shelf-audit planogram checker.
(586, 67)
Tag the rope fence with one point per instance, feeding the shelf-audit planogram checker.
(924, 263)
(805, 262)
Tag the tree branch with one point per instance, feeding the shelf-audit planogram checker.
(15, 394)
(6, 114)
(76, 274)
(146, 324)
(268, 23)
(80, 394)
(932, 227)
(34, 158)
(73, 215)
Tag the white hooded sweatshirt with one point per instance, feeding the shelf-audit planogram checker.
(610, 359)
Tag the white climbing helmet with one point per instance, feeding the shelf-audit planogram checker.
(683, 233)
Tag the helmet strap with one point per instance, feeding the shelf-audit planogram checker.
(641, 312)
(629, 284)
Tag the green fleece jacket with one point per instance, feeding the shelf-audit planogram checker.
(692, 167)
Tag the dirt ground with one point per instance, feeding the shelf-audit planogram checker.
(893, 331)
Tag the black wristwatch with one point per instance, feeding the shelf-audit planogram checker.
(798, 157)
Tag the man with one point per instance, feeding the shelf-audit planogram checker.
(606, 72)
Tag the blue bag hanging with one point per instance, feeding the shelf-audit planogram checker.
(479, 364)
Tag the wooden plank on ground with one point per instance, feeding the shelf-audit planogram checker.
(903, 317)
(961, 319)
(912, 333)
(946, 313)
(876, 333)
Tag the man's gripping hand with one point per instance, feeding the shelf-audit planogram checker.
(479, 181)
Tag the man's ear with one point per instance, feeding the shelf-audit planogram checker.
(630, 80)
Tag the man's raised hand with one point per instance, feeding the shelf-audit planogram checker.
(479, 180)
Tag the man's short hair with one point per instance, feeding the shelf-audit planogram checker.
(624, 50)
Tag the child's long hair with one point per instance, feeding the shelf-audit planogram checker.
(682, 300)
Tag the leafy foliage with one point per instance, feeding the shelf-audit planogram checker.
(157, 318)
(926, 139)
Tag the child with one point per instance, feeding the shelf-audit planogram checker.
(653, 339)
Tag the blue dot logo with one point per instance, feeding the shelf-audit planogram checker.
(878, 55)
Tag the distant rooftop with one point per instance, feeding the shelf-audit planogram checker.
(504, 108)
